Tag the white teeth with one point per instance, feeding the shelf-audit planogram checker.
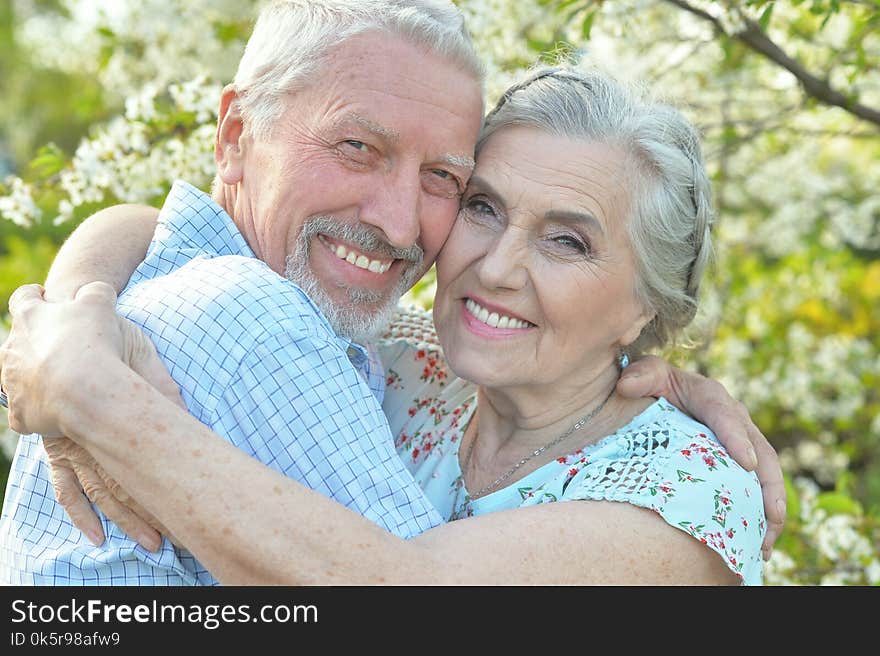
(359, 260)
(494, 319)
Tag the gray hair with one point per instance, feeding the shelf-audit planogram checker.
(293, 38)
(671, 214)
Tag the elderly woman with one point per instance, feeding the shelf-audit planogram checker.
(581, 241)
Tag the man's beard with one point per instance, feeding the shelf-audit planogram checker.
(366, 313)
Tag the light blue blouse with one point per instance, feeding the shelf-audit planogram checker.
(662, 460)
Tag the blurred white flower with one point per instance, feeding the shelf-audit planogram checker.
(18, 205)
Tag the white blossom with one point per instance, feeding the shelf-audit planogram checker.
(18, 205)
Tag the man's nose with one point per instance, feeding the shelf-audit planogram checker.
(395, 209)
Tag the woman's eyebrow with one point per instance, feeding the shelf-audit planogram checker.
(570, 216)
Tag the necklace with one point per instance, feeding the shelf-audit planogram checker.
(510, 472)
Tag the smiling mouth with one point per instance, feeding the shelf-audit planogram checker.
(356, 258)
(493, 319)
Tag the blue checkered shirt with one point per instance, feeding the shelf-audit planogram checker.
(258, 363)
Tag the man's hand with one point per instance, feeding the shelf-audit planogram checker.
(42, 355)
(707, 401)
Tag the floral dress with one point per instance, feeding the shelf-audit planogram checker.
(662, 459)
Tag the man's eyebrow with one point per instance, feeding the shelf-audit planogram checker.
(377, 129)
(462, 161)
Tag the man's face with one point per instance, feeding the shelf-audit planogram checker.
(355, 191)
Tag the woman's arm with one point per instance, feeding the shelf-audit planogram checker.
(249, 524)
(107, 246)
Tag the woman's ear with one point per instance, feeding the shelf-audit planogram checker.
(635, 330)
(228, 143)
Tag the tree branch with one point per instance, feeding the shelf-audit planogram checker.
(756, 39)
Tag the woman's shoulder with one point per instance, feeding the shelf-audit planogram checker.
(670, 463)
(679, 449)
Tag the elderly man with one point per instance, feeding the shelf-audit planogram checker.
(341, 155)
(358, 134)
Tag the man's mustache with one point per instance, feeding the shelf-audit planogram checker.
(361, 236)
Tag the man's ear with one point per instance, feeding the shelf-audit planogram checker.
(228, 143)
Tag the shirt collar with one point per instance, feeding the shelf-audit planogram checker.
(192, 218)
(195, 220)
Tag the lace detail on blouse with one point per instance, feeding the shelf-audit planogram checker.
(640, 449)
(414, 326)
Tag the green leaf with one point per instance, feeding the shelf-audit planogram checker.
(793, 503)
(49, 160)
(764, 20)
(587, 25)
(838, 503)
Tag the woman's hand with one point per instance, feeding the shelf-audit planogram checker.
(708, 401)
(51, 347)
(78, 479)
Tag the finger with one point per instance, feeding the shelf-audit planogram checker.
(145, 361)
(644, 377)
(117, 512)
(69, 494)
(773, 488)
(96, 292)
(731, 428)
(25, 297)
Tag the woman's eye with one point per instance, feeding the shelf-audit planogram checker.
(573, 243)
(480, 207)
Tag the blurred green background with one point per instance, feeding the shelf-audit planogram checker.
(109, 101)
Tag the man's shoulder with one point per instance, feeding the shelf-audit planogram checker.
(239, 295)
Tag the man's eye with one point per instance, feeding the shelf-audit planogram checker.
(358, 145)
(438, 182)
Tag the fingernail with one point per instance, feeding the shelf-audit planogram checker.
(780, 508)
(766, 553)
(96, 538)
(753, 457)
(149, 543)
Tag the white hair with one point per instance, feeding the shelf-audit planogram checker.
(671, 214)
(293, 38)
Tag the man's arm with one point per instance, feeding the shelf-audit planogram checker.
(207, 492)
(107, 246)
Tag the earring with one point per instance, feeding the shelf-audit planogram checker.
(622, 360)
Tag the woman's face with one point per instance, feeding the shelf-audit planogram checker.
(536, 282)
